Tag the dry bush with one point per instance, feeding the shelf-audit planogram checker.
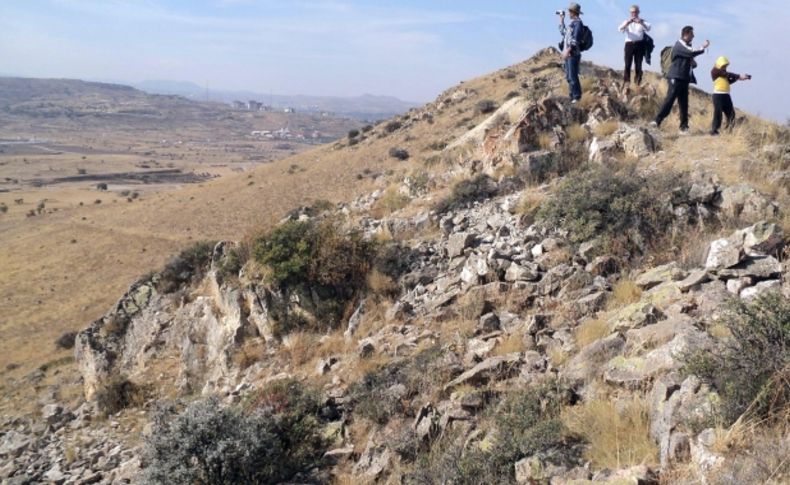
(390, 201)
(298, 348)
(118, 394)
(762, 458)
(576, 133)
(471, 306)
(251, 352)
(510, 344)
(587, 83)
(590, 331)
(750, 370)
(588, 101)
(556, 355)
(618, 434)
(624, 293)
(545, 141)
(530, 202)
(382, 284)
(606, 128)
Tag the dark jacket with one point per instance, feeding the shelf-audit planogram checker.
(650, 45)
(682, 59)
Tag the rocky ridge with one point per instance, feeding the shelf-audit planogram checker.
(484, 261)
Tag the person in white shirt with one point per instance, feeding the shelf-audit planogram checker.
(634, 29)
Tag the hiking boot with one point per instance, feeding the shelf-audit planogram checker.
(574, 101)
(684, 131)
(714, 133)
(653, 124)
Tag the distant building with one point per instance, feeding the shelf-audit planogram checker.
(289, 110)
(253, 105)
(239, 105)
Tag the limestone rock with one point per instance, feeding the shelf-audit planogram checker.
(724, 253)
(458, 242)
(761, 288)
(744, 202)
(522, 272)
(655, 276)
(762, 238)
(494, 367)
(587, 362)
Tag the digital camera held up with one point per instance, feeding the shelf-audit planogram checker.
(560, 12)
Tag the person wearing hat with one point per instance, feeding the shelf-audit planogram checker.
(570, 52)
(634, 29)
(722, 102)
(680, 75)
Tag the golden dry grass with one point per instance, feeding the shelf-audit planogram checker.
(390, 201)
(545, 141)
(556, 355)
(624, 293)
(576, 133)
(606, 128)
(381, 284)
(530, 201)
(590, 331)
(618, 433)
(510, 344)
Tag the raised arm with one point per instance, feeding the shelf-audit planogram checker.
(624, 25)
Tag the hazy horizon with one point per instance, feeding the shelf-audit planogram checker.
(346, 48)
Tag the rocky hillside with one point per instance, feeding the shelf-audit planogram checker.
(553, 293)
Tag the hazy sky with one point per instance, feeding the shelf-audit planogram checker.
(413, 49)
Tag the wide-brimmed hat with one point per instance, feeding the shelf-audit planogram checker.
(575, 8)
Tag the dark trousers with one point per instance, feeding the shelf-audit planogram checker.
(634, 54)
(722, 103)
(572, 75)
(679, 90)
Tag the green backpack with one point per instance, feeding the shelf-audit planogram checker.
(666, 60)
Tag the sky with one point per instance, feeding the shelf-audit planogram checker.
(412, 49)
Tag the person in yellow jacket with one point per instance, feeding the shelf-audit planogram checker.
(722, 102)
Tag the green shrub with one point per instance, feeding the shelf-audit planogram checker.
(189, 266)
(399, 153)
(317, 260)
(3, 208)
(66, 340)
(467, 191)
(625, 209)
(232, 262)
(101, 186)
(486, 106)
(392, 126)
(527, 422)
(388, 391)
(751, 369)
(210, 444)
(353, 134)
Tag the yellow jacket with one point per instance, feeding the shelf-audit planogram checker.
(721, 78)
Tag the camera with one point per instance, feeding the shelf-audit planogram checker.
(748, 76)
(560, 12)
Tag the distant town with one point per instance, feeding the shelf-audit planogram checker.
(284, 133)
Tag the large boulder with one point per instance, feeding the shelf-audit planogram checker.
(745, 203)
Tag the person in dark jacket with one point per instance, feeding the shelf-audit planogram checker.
(680, 75)
(571, 53)
(722, 102)
(635, 29)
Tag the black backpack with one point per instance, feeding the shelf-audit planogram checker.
(585, 39)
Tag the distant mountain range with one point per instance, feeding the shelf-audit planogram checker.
(366, 106)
